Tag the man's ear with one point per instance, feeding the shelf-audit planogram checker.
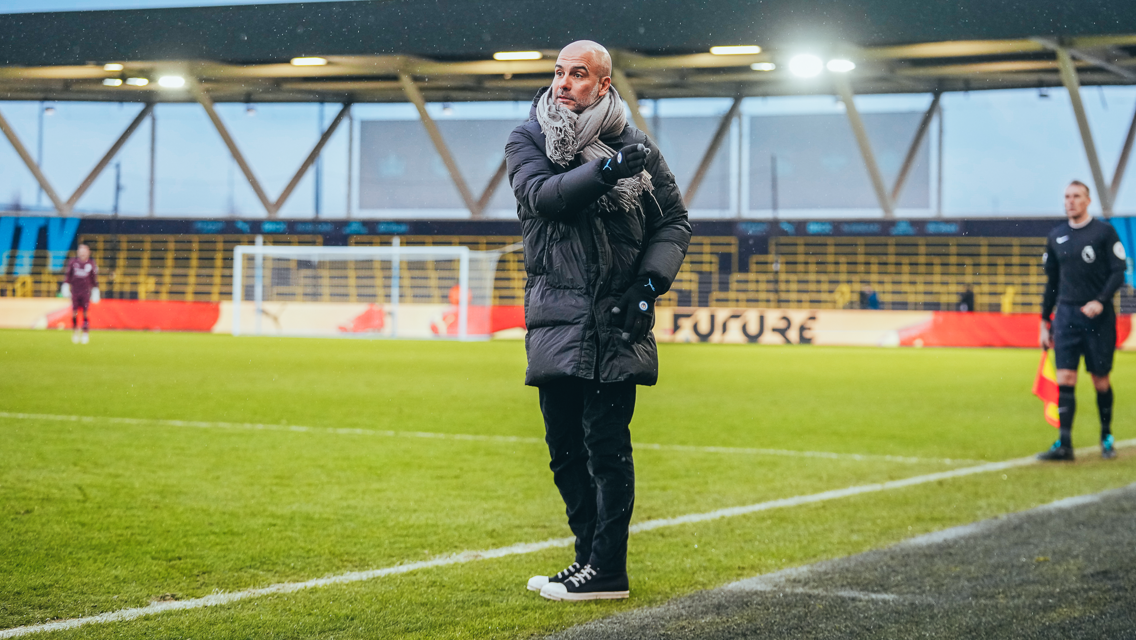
(605, 84)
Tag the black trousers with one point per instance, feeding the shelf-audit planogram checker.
(587, 428)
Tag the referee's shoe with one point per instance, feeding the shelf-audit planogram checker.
(1057, 453)
(1108, 447)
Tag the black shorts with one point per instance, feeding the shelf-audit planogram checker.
(1075, 334)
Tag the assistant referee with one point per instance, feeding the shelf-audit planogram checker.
(1085, 262)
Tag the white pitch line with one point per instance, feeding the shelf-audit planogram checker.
(788, 453)
(516, 549)
(777, 580)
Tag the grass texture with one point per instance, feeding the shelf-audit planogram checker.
(101, 515)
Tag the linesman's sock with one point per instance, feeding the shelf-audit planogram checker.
(1066, 407)
(1104, 405)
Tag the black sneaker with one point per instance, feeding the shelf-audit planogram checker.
(1057, 453)
(1108, 447)
(536, 583)
(588, 584)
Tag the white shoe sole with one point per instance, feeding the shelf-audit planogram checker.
(580, 597)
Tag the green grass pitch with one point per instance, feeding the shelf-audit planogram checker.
(103, 515)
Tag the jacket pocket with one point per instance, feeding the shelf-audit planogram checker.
(565, 259)
(625, 242)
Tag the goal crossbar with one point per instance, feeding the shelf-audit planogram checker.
(394, 254)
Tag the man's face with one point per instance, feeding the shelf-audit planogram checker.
(576, 83)
(84, 252)
(1076, 201)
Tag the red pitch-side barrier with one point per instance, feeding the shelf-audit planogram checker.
(144, 315)
(951, 329)
(484, 320)
(944, 329)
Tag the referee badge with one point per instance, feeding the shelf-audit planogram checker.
(1088, 255)
(1118, 249)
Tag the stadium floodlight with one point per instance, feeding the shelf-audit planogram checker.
(113, 82)
(806, 65)
(736, 50)
(383, 292)
(763, 66)
(309, 61)
(112, 66)
(518, 55)
(137, 82)
(171, 82)
(840, 65)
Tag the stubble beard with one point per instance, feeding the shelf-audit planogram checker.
(591, 99)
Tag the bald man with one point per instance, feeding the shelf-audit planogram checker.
(605, 231)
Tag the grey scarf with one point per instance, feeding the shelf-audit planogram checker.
(568, 134)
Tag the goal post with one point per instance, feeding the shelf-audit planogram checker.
(385, 291)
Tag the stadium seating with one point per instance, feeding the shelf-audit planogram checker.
(915, 273)
(420, 278)
(150, 267)
(907, 273)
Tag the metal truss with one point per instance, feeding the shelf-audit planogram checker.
(932, 68)
(65, 207)
(1107, 191)
(272, 207)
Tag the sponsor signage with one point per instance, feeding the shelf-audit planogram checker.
(739, 326)
(858, 228)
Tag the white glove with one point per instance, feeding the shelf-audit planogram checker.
(95, 297)
(65, 290)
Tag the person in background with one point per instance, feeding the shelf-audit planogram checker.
(868, 298)
(966, 300)
(81, 284)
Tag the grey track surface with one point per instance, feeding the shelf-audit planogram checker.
(1064, 570)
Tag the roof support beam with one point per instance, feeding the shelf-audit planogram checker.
(110, 154)
(1073, 86)
(415, 95)
(1122, 163)
(909, 160)
(1127, 74)
(712, 150)
(627, 92)
(206, 102)
(491, 188)
(315, 153)
(21, 150)
(844, 88)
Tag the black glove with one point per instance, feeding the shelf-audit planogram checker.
(637, 308)
(628, 162)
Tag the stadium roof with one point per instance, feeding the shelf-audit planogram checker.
(242, 53)
(399, 50)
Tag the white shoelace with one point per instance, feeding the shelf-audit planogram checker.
(571, 570)
(583, 575)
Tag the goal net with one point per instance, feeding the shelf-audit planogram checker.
(388, 291)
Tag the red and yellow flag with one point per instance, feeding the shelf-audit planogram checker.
(1045, 387)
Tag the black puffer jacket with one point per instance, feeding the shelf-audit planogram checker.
(580, 260)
